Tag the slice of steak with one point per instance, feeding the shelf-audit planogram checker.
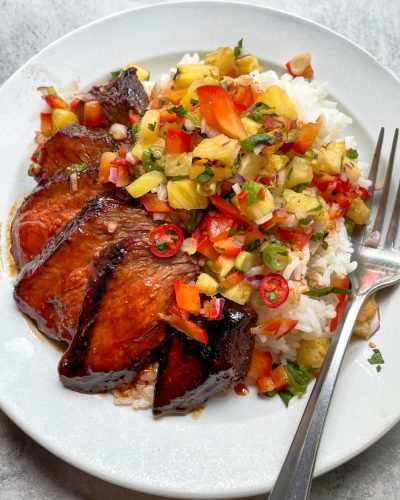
(190, 373)
(119, 329)
(50, 289)
(117, 98)
(48, 209)
(72, 144)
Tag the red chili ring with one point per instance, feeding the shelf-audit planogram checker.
(165, 240)
(274, 290)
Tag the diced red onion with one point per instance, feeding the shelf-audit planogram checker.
(218, 304)
(255, 270)
(131, 158)
(113, 175)
(43, 90)
(159, 216)
(281, 177)
(162, 193)
(255, 280)
(290, 221)
(265, 218)
(209, 131)
(257, 150)
(239, 179)
(374, 237)
(39, 138)
(189, 125)
(343, 177)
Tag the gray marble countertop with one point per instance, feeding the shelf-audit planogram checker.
(27, 471)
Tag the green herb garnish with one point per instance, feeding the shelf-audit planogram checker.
(205, 176)
(252, 189)
(299, 378)
(376, 358)
(352, 154)
(115, 74)
(178, 110)
(321, 292)
(238, 48)
(254, 140)
(77, 168)
(152, 126)
(257, 113)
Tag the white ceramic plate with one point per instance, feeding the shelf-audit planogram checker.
(238, 444)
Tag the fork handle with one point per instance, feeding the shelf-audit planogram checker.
(294, 480)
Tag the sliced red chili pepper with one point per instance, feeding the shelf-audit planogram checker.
(177, 141)
(165, 240)
(274, 290)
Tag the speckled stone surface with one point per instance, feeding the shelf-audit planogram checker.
(27, 471)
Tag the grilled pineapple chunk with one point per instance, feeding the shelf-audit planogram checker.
(239, 293)
(330, 158)
(177, 164)
(222, 58)
(220, 148)
(279, 102)
(188, 73)
(303, 204)
(61, 118)
(260, 208)
(207, 284)
(145, 183)
(183, 194)
(274, 163)
(250, 126)
(299, 172)
(201, 165)
(149, 127)
(358, 211)
(311, 353)
(247, 64)
(250, 166)
(142, 74)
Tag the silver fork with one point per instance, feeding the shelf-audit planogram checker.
(378, 267)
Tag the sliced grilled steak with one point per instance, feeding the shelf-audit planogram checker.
(47, 209)
(190, 373)
(119, 328)
(72, 144)
(50, 289)
(117, 98)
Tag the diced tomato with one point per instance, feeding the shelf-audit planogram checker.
(280, 378)
(232, 280)
(177, 141)
(260, 364)
(279, 326)
(188, 327)
(227, 208)
(342, 298)
(74, 104)
(327, 193)
(251, 235)
(242, 97)
(218, 226)
(295, 239)
(133, 118)
(307, 135)
(105, 164)
(92, 114)
(231, 246)
(152, 204)
(265, 385)
(218, 110)
(224, 264)
(205, 247)
(187, 297)
(321, 181)
(342, 201)
(46, 123)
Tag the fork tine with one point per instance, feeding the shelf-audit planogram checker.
(394, 222)
(375, 164)
(385, 192)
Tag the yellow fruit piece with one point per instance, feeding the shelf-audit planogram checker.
(358, 211)
(220, 148)
(303, 204)
(207, 284)
(299, 172)
(221, 58)
(142, 74)
(277, 99)
(145, 183)
(250, 166)
(149, 127)
(250, 126)
(311, 353)
(188, 73)
(177, 164)
(274, 163)
(239, 293)
(183, 194)
(61, 118)
(247, 64)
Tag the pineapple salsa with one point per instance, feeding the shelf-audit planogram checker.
(234, 177)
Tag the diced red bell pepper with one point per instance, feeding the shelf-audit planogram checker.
(279, 327)
(152, 204)
(342, 298)
(232, 280)
(265, 384)
(187, 297)
(92, 114)
(177, 142)
(293, 238)
(342, 201)
(46, 123)
(227, 208)
(133, 118)
(260, 364)
(242, 97)
(74, 104)
(218, 226)
(307, 135)
(168, 117)
(231, 246)
(205, 247)
(216, 309)
(55, 101)
(242, 200)
(218, 110)
(278, 217)
(280, 378)
(188, 327)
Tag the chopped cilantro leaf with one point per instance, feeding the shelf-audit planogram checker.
(376, 358)
(115, 74)
(237, 242)
(224, 84)
(258, 114)
(352, 154)
(178, 110)
(252, 189)
(194, 102)
(315, 209)
(77, 168)
(238, 48)
(254, 140)
(205, 176)
(253, 246)
(299, 378)
(378, 368)
(152, 126)
(319, 235)
(194, 120)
